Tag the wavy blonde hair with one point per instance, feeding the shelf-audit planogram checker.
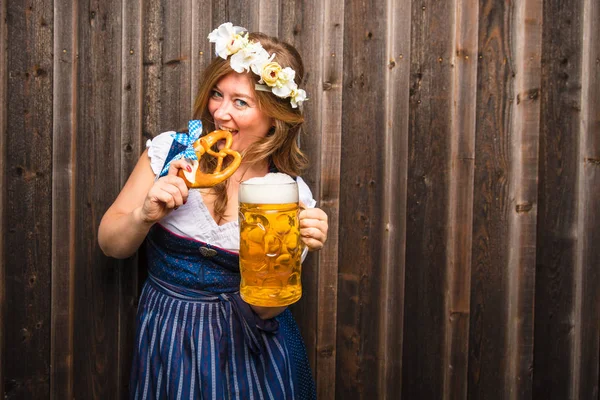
(280, 146)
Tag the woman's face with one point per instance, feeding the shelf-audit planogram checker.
(234, 108)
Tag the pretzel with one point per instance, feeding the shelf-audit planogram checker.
(199, 179)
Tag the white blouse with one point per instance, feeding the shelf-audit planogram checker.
(192, 219)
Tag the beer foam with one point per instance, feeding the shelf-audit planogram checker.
(273, 188)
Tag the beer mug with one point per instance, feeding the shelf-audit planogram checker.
(270, 246)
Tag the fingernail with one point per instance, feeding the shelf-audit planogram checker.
(189, 169)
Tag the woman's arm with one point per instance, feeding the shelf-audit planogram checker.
(141, 203)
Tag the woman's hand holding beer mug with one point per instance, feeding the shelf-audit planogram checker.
(313, 227)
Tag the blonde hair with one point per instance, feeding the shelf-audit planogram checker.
(279, 147)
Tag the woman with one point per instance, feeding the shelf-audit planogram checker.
(196, 337)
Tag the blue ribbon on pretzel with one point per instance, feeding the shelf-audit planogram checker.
(183, 145)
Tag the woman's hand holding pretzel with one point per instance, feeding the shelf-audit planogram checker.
(167, 194)
(313, 228)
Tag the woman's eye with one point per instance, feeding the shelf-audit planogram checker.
(216, 94)
(241, 103)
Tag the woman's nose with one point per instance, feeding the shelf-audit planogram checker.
(222, 111)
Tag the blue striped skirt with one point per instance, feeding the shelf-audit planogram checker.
(192, 344)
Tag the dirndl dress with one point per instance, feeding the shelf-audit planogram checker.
(197, 339)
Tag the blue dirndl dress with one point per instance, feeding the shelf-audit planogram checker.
(197, 339)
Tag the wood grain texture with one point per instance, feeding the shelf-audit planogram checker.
(329, 85)
(361, 274)
(63, 199)
(393, 207)
(27, 232)
(558, 199)
(587, 298)
(427, 209)
(491, 203)
(460, 216)
(3, 193)
(97, 179)
(526, 43)
(454, 145)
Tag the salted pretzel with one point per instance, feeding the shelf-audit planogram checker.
(199, 179)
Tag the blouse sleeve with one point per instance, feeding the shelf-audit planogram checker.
(305, 194)
(158, 149)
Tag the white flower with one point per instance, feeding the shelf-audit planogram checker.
(228, 39)
(298, 96)
(249, 55)
(261, 61)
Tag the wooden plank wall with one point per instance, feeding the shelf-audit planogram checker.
(454, 145)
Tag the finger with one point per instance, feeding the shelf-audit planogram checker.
(313, 233)
(177, 165)
(170, 196)
(312, 244)
(313, 213)
(178, 183)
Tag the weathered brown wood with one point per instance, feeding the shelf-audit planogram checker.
(587, 279)
(240, 13)
(131, 147)
(269, 16)
(27, 230)
(176, 60)
(361, 270)
(97, 177)
(3, 193)
(328, 84)
(526, 34)
(491, 204)
(63, 153)
(422, 128)
(428, 199)
(460, 219)
(556, 276)
(202, 50)
(152, 38)
(394, 181)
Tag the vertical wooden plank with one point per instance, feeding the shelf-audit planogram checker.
(491, 204)
(587, 297)
(362, 270)
(130, 148)
(201, 52)
(63, 198)
(3, 192)
(394, 181)
(269, 17)
(176, 64)
(97, 177)
(329, 85)
(526, 39)
(460, 201)
(27, 227)
(559, 229)
(152, 39)
(240, 13)
(428, 194)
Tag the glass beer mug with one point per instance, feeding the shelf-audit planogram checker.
(270, 246)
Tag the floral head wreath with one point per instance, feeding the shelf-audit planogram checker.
(247, 55)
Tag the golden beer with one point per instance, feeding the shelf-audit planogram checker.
(270, 246)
